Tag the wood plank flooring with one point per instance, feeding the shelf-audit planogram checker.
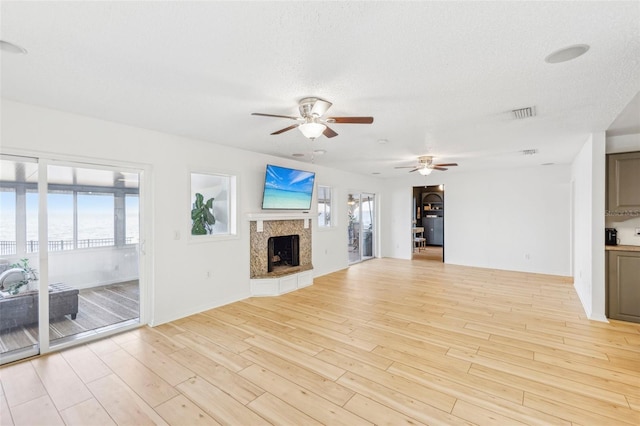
(383, 342)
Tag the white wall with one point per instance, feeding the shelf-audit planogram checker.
(94, 267)
(588, 177)
(515, 219)
(177, 278)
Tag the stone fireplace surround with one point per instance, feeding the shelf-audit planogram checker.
(265, 225)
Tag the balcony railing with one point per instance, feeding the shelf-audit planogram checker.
(9, 247)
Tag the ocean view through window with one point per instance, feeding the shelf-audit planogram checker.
(95, 220)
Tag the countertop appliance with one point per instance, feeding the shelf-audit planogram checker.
(611, 236)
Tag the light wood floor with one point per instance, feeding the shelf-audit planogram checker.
(384, 342)
(428, 253)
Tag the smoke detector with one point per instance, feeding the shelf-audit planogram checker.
(523, 113)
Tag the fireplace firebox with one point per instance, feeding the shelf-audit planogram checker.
(283, 252)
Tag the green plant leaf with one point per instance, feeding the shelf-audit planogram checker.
(198, 229)
(210, 219)
(202, 216)
(199, 198)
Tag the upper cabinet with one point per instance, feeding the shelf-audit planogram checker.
(432, 204)
(623, 182)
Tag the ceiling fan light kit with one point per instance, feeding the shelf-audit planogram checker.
(312, 129)
(311, 123)
(425, 166)
(425, 171)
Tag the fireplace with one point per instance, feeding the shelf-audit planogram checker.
(292, 258)
(283, 252)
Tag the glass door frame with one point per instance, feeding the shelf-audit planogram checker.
(371, 199)
(144, 257)
(356, 225)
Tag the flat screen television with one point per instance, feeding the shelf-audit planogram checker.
(287, 189)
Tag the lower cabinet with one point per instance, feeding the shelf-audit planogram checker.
(623, 281)
(280, 285)
(433, 230)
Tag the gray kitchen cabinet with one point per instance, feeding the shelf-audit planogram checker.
(433, 219)
(623, 182)
(623, 281)
(433, 230)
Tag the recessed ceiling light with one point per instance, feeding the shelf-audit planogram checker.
(9, 47)
(383, 141)
(567, 53)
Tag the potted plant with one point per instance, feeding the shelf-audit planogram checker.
(202, 216)
(19, 268)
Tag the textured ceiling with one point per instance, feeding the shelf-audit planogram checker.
(440, 78)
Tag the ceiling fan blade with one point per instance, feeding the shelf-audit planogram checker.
(446, 164)
(286, 129)
(328, 132)
(404, 167)
(439, 168)
(275, 115)
(320, 107)
(353, 120)
(415, 170)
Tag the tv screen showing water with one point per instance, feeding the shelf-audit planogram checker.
(287, 189)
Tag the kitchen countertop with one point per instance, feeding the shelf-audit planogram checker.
(622, 248)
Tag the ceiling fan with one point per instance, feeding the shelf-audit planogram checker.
(311, 123)
(425, 165)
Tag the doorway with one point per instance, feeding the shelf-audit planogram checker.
(428, 223)
(361, 229)
(75, 228)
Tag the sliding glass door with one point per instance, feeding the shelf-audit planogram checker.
(361, 227)
(93, 250)
(19, 322)
(76, 227)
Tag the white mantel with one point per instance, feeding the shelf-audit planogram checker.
(260, 217)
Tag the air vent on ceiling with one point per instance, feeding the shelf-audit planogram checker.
(529, 151)
(521, 113)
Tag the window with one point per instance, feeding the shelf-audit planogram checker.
(95, 219)
(132, 218)
(214, 193)
(324, 206)
(60, 214)
(7, 221)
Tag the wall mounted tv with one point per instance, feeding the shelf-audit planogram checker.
(287, 189)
